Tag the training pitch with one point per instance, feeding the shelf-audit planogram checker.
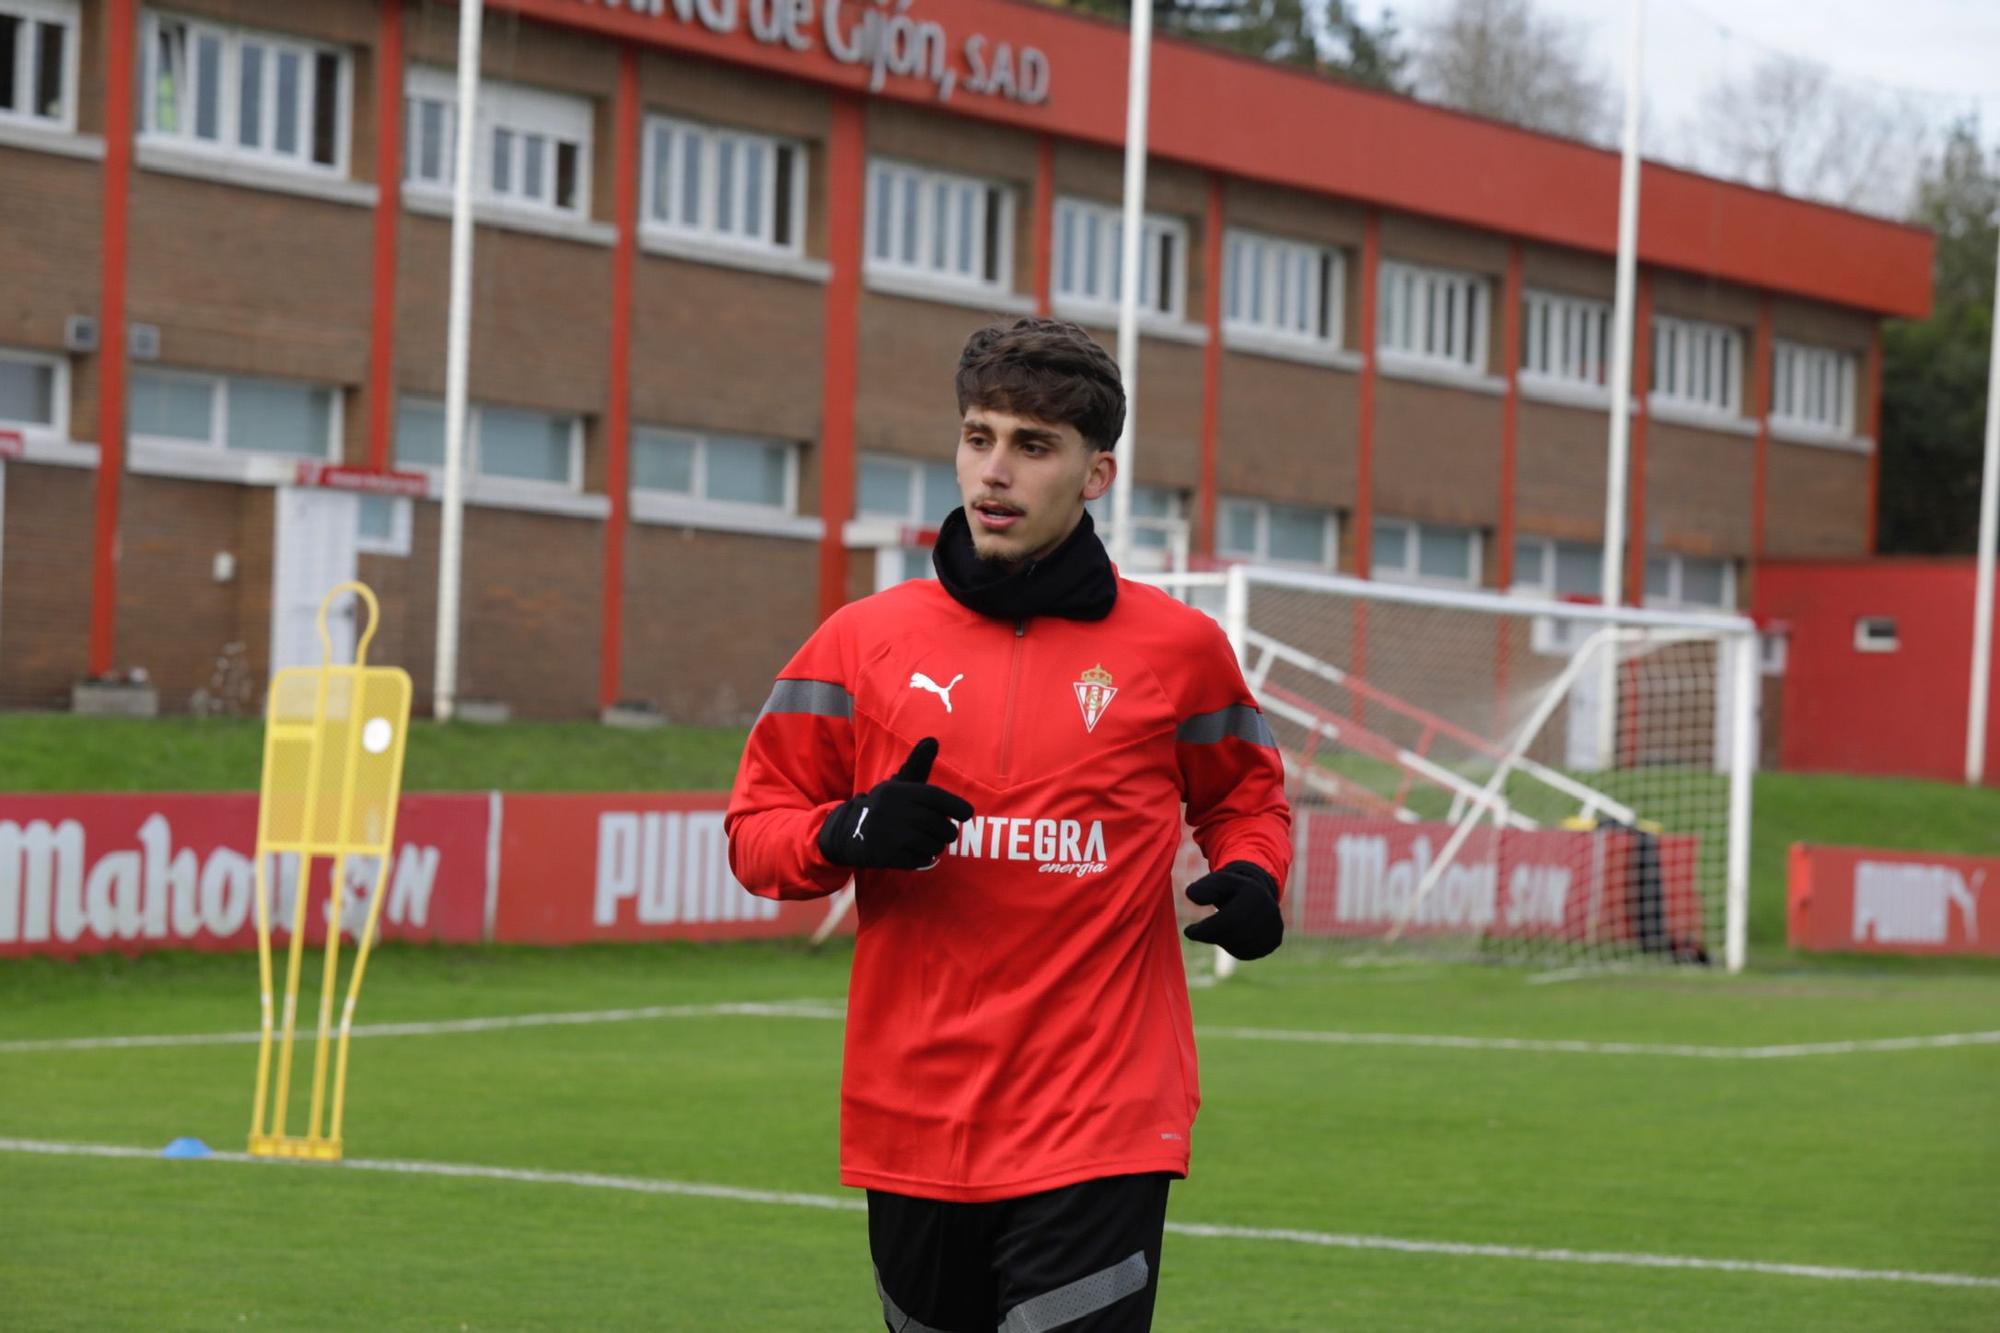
(645, 1137)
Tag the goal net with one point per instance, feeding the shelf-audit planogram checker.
(1495, 776)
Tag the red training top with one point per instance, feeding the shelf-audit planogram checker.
(1018, 1015)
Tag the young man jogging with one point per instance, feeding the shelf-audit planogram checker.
(1000, 760)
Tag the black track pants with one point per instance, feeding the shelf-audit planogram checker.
(1083, 1259)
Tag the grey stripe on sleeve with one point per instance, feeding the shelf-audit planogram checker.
(1239, 720)
(1085, 1296)
(821, 698)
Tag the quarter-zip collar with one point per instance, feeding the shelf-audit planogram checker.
(1075, 581)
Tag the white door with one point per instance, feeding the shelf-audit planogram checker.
(315, 546)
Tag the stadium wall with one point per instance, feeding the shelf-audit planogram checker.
(1892, 701)
(252, 270)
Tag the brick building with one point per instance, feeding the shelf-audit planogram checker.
(726, 255)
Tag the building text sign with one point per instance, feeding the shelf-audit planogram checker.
(881, 36)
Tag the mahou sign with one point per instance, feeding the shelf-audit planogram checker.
(95, 874)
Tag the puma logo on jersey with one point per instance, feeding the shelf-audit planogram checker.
(919, 681)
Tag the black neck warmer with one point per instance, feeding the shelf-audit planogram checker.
(1074, 581)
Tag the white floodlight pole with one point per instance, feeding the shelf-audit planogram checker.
(1616, 484)
(1131, 250)
(458, 337)
(1982, 607)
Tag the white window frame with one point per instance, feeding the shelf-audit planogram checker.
(1689, 357)
(1262, 554)
(1543, 583)
(1407, 572)
(912, 515)
(1673, 599)
(398, 540)
(56, 429)
(1805, 376)
(1877, 634)
(660, 211)
(228, 145)
(1565, 340)
(1261, 311)
(1072, 220)
(512, 108)
(35, 14)
(1171, 526)
(474, 413)
(929, 180)
(1416, 299)
(698, 475)
(217, 443)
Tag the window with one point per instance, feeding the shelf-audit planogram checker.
(724, 185)
(1690, 582)
(1156, 516)
(1559, 569)
(723, 469)
(1697, 365)
(938, 226)
(531, 148)
(1434, 315)
(1812, 387)
(245, 93)
(1407, 552)
(31, 391)
(237, 414)
(1565, 338)
(1088, 257)
(1276, 286)
(505, 444)
(921, 494)
(1876, 634)
(382, 525)
(38, 61)
(1280, 534)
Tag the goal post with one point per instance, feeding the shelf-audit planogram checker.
(1481, 774)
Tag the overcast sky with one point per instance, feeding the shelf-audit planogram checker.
(1944, 52)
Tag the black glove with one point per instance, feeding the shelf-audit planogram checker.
(900, 823)
(1247, 920)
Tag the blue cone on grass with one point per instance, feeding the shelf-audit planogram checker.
(187, 1148)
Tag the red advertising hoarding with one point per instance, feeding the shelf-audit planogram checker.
(1356, 877)
(82, 874)
(577, 868)
(1870, 901)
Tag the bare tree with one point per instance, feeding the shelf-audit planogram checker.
(1503, 58)
(1790, 125)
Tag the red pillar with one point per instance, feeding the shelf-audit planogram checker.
(1635, 473)
(1510, 412)
(388, 202)
(618, 411)
(1875, 443)
(1503, 537)
(121, 28)
(1211, 368)
(1364, 457)
(1045, 223)
(847, 170)
(1760, 405)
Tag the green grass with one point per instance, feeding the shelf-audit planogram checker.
(1877, 1160)
(55, 752)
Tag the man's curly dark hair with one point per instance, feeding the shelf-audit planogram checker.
(1048, 369)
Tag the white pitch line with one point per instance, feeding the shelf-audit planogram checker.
(1200, 1230)
(835, 1011)
(1540, 1045)
(758, 1009)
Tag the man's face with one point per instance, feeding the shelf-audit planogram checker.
(1024, 482)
